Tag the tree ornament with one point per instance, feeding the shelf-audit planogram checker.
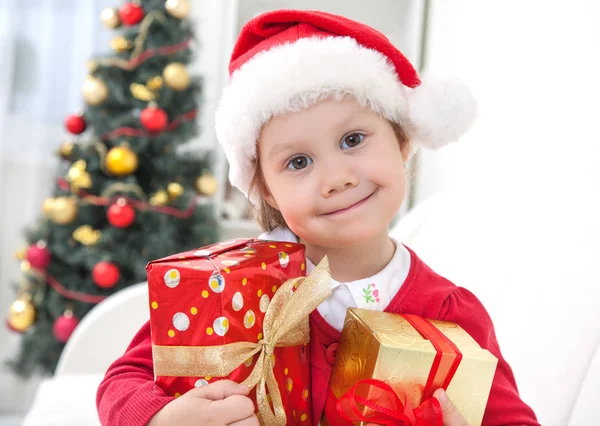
(176, 76)
(48, 206)
(155, 83)
(64, 210)
(95, 91)
(121, 214)
(64, 326)
(106, 274)
(131, 13)
(120, 44)
(21, 254)
(110, 17)
(78, 177)
(154, 119)
(25, 266)
(121, 161)
(207, 184)
(178, 8)
(21, 314)
(160, 198)
(75, 124)
(38, 255)
(141, 92)
(175, 190)
(66, 150)
(87, 235)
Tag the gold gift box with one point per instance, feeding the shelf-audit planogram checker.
(386, 347)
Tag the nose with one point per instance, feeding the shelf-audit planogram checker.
(337, 178)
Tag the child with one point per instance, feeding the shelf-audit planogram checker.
(318, 120)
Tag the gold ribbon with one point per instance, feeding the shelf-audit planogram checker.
(286, 323)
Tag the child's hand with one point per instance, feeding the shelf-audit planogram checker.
(218, 404)
(451, 415)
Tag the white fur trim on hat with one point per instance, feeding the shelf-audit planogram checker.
(293, 76)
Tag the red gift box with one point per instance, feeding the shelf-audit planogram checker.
(218, 295)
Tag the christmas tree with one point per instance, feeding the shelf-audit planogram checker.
(124, 193)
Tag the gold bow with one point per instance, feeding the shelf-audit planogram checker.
(286, 323)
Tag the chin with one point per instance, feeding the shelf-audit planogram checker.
(345, 236)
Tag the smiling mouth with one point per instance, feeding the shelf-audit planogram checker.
(352, 207)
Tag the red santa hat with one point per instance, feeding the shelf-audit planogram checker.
(287, 60)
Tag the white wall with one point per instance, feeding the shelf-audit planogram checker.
(528, 177)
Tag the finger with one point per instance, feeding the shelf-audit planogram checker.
(451, 415)
(219, 390)
(234, 408)
(250, 421)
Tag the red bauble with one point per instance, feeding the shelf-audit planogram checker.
(75, 123)
(154, 119)
(131, 13)
(106, 274)
(39, 256)
(120, 214)
(63, 326)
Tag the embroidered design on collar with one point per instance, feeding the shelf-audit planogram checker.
(371, 294)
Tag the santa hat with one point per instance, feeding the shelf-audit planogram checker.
(287, 60)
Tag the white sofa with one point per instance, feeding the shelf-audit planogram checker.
(549, 343)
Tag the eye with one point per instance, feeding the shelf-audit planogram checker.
(299, 162)
(352, 140)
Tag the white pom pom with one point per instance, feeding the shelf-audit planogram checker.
(440, 112)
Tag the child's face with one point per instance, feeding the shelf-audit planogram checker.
(335, 172)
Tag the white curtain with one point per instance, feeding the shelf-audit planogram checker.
(527, 174)
(43, 48)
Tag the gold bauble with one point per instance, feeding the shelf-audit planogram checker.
(141, 92)
(95, 91)
(66, 149)
(64, 210)
(87, 235)
(155, 83)
(48, 206)
(110, 17)
(175, 190)
(207, 184)
(21, 254)
(25, 266)
(161, 198)
(176, 76)
(121, 161)
(78, 177)
(21, 314)
(120, 44)
(178, 8)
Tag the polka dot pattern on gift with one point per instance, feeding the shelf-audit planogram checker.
(284, 259)
(264, 303)
(249, 319)
(172, 278)
(181, 321)
(221, 326)
(216, 283)
(237, 301)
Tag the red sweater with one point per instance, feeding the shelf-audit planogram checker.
(128, 397)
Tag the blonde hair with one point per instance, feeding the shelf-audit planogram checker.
(267, 216)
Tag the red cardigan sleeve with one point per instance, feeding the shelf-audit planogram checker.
(504, 407)
(127, 395)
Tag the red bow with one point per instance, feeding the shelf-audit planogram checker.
(374, 401)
